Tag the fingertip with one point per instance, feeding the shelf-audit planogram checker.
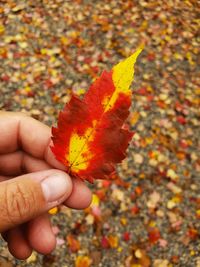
(80, 197)
(56, 186)
(40, 235)
(21, 253)
(17, 244)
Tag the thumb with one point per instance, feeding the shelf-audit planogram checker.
(29, 195)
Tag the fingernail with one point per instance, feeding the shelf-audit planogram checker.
(54, 187)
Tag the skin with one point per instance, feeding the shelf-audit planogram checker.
(25, 149)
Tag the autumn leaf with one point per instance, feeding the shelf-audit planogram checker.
(83, 261)
(91, 136)
(73, 243)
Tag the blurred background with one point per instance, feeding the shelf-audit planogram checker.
(150, 214)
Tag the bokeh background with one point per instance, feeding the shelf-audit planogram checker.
(149, 215)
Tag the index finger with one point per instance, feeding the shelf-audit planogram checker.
(20, 132)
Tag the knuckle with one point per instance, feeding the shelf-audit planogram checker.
(18, 202)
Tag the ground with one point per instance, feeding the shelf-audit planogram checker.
(149, 215)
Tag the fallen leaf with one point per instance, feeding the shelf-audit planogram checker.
(83, 261)
(154, 235)
(73, 243)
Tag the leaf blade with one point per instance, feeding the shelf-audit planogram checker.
(90, 137)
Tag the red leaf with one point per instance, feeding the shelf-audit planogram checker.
(91, 136)
(135, 209)
(105, 242)
(154, 235)
(181, 120)
(126, 236)
(192, 233)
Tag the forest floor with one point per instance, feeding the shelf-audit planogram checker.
(150, 214)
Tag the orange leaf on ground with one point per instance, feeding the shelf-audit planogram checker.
(113, 241)
(83, 261)
(73, 243)
(91, 136)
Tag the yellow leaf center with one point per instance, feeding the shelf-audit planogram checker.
(79, 152)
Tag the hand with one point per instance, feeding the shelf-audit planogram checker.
(31, 184)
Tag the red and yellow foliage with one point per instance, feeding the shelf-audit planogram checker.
(91, 136)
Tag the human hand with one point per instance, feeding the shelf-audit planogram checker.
(31, 184)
